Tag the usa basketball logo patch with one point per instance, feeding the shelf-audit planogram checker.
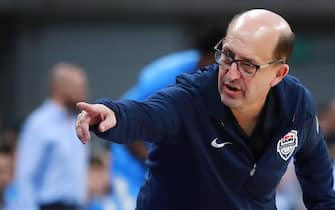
(287, 144)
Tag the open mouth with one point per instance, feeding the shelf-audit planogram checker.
(231, 88)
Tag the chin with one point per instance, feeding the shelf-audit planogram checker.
(71, 107)
(229, 102)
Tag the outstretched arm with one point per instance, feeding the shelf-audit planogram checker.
(158, 119)
(93, 115)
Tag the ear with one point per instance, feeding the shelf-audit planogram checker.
(281, 72)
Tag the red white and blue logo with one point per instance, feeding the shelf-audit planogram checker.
(287, 144)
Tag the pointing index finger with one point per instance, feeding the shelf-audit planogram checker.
(89, 108)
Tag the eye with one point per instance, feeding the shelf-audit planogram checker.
(247, 64)
(247, 67)
(227, 57)
(229, 54)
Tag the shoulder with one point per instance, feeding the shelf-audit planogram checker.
(190, 86)
(296, 97)
(42, 118)
(296, 89)
(201, 79)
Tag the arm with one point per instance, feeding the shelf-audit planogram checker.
(154, 120)
(314, 169)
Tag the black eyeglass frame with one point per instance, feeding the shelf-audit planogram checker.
(237, 61)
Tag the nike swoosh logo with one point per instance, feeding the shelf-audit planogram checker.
(215, 144)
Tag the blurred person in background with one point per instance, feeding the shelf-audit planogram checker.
(8, 143)
(51, 165)
(6, 173)
(331, 133)
(288, 192)
(223, 137)
(331, 149)
(128, 168)
(326, 116)
(325, 119)
(101, 196)
(10, 136)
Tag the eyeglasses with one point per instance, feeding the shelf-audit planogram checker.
(225, 58)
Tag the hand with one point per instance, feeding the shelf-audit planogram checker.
(91, 115)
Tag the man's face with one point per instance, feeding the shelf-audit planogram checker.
(98, 181)
(6, 169)
(75, 90)
(240, 91)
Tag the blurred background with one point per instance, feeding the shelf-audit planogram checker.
(113, 40)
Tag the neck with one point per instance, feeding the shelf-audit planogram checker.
(60, 102)
(247, 117)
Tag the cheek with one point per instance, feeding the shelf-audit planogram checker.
(220, 79)
(221, 76)
(257, 89)
(77, 94)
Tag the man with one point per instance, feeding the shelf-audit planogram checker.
(51, 164)
(225, 135)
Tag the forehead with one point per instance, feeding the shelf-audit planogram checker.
(259, 52)
(255, 42)
(240, 49)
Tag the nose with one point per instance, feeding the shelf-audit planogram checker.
(233, 72)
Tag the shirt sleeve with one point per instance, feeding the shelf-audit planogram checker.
(314, 169)
(158, 119)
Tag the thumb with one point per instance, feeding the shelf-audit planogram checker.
(108, 123)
